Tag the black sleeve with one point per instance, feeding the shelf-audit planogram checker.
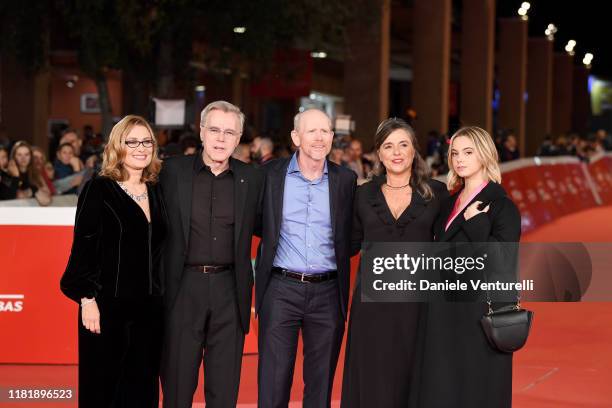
(504, 227)
(502, 232)
(357, 225)
(81, 277)
(8, 186)
(164, 176)
(441, 192)
(258, 228)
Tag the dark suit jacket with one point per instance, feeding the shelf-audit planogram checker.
(115, 252)
(342, 183)
(177, 183)
(502, 223)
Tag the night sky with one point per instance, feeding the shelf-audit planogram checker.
(587, 22)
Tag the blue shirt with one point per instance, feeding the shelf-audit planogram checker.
(62, 170)
(306, 242)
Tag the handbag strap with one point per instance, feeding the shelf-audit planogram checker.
(490, 302)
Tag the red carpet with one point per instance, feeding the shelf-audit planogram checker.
(567, 362)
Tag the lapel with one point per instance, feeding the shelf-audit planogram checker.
(185, 191)
(445, 213)
(333, 183)
(377, 201)
(491, 192)
(241, 188)
(277, 180)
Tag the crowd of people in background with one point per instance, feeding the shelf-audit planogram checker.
(576, 145)
(74, 157)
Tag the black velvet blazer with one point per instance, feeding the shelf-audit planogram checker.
(115, 252)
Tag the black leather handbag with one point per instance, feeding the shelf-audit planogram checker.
(507, 328)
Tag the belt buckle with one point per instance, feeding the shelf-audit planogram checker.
(302, 279)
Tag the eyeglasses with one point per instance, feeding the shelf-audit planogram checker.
(215, 131)
(133, 144)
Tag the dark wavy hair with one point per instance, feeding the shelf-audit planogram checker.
(419, 171)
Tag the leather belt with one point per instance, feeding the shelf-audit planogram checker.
(210, 268)
(305, 278)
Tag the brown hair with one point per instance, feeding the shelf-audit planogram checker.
(419, 171)
(114, 151)
(32, 172)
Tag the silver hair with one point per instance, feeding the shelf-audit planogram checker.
(222, 106)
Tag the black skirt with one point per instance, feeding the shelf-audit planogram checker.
(120, 366)
(380, 352)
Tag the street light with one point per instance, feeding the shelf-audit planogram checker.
(525, 6)
(588, 58)
(550, 32)
(571, 44)
(239, 30)
(318, 54)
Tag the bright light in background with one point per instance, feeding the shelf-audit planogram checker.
(318, 54)
(588, 58)
(550, 31)
(200, 88)
(239, 30)
(71, 81)
(571, 44)
(523, 10)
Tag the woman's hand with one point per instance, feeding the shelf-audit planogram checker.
(43, 196)
(90, 315)
(473, 210)
(27, 193)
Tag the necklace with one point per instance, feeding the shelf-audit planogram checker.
(396, 188)
(139, 197)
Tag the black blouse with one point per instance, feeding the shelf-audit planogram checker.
(116, 252)
(373, 221)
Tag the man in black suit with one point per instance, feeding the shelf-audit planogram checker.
(303, 267)
(211, 201)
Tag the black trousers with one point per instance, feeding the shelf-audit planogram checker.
(203, 324)
(120, 366)
(288, 307)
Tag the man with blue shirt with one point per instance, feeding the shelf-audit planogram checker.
(303, 265)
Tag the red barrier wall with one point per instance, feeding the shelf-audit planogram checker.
(38, 324)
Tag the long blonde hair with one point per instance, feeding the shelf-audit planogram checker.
(487, 153)
(114, 151)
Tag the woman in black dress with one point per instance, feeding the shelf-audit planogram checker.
(113, 272)
(399, 206)
(457, 367)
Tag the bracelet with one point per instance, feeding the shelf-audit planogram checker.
(87, 301)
